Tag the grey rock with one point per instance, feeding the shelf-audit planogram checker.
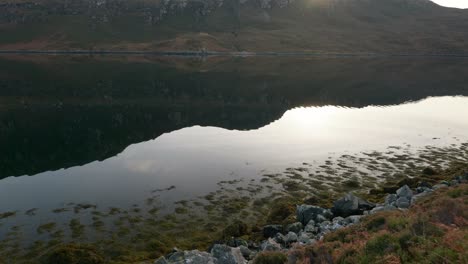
(391, 199)
(350, 205)
(325, 227)
(403, 202)
(423, 189)
(310, 227)
(405, 191)
(291, 237)
(461, 178)
(419, 196)
(246, 252)
(295, 227)
(304, 239)
(425, 184)
(305, 213)
(161, 260)
(454, 183)
(236, 242)
(193, 257)
(270, 245)
(280, 238)
(353, 219)
(338, 219)
(227, 255)
(320, 218)
(439, 186)
(272, 230)
(382, 208)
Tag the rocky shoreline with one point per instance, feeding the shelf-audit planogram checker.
(313, 223)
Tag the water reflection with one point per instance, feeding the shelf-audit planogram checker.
(62, 112)
(195, 159)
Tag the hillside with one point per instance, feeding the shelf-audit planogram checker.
(389, 26)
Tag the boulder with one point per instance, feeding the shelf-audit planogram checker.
(350, 205)
(403, 202)
(405, 191)
(439, 186)
(227, 255)
(339, 221)
(423, 189)
(353, 219)
(193, 257)
(290, 238)
(270, 245)
(246, 252)
(161, 260)
(382, 208)
(325, 227)
(236, 242)
(280, 238)
(391, 199)
(272, 230)
(305, 213)
(310, 227)
(419, 196)
(305, 239)
(294, 227)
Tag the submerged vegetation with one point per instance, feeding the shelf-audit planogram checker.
(241, 207)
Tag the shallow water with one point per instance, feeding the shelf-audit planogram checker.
(176, 138)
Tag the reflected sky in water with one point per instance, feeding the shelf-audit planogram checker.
(195, 159)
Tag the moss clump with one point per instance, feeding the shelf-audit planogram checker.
(74, 254)
(270, 258)
(7, 214)
(48, 227)
(157, 247)
(236, 229)
(283, 211)
(77, 228)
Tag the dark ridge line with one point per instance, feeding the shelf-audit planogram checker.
(232, 54)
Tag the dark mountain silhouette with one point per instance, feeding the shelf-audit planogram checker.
(58, 112)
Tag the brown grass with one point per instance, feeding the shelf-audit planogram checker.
(435, 230)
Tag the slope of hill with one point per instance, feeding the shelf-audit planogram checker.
(232, 25)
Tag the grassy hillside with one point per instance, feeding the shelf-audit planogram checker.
(432, 231)
(302, 25)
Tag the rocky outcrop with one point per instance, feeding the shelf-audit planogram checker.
(320, 221)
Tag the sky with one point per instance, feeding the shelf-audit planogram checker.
(452, 3)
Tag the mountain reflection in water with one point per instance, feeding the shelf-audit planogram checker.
(195, 159)
(60, 112)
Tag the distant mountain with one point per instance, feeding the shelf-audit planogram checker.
(383, 26)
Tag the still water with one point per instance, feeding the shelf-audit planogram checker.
(195, 159)
(113, 132)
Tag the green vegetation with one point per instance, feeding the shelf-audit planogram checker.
(409, 26)
(7, 214)
(48, 227)
(435, 230)
(74, 254)
(271, 258)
